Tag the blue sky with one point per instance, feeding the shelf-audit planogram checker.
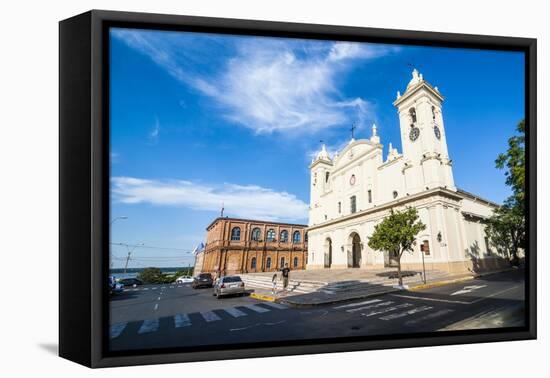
(201, 119)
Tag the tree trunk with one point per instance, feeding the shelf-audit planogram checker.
(399, 270)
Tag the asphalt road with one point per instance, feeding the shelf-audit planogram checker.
(178, 316)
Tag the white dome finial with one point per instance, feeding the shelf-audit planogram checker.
(374, 129)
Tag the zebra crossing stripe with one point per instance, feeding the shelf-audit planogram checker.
(370, 306)
(234, 312)
(406, 313)
(181, 320)
(387, 309)
(149, 325)
(276, 305)
(257, 308)
(210, 316)
(357, 304)
(433, 315)
(116, 330)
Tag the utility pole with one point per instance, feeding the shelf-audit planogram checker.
(130, 254)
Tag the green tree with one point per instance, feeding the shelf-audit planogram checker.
(397, 234)
(514, 163)
(151, 276)
(506, 228)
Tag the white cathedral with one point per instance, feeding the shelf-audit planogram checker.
(356, 188)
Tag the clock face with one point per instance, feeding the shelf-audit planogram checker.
(437, 132)
(352, 180)
(414, 133)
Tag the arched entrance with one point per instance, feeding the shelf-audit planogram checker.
(328, 253)
(354, 253)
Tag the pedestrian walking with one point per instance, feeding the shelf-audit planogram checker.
(274, 284)
(285, 273)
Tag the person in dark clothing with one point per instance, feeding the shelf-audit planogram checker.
(285, 273)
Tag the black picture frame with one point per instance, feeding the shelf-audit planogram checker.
(84, 185)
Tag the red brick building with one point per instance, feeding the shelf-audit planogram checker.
(245, 246)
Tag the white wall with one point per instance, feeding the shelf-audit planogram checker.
(28, 152)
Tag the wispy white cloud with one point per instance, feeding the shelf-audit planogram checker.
(266, 85)
(154, 134)
(249, 201)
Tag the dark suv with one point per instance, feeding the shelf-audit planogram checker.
(202, 280)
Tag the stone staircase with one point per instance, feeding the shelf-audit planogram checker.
(294, 286)
(300, 286)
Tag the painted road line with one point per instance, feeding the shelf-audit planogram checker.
(429, 299)
(351, 310)
(276, 305)
(156, 307)
(146, 288)
(495, 294)
(257, 308)
(154, 288)
(182, 320)
(149, 325)
(431, 316)
(209, 316)
(357, 304)
(116, 330)
(387, 309)
(468, 289)
(234, 312)
(413, 311)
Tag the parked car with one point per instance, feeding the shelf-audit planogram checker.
(130, 282)
(115, 287)
(184, 279)
(229, 285)
(203, 280)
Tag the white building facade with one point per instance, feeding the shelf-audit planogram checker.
(355, 189)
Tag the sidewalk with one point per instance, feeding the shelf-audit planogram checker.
(305, 293)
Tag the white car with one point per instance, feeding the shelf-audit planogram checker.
(184, 279)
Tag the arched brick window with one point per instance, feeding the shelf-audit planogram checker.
(253, 263)
(270, 235)
(296, 237)
(236, 233)
(256, 234)
(284, 236)
(268, 263)
(295, 262)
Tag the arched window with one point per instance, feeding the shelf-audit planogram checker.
(271, 235)
(412, 113)
(253, 263)
(284, 236)
(395, 194)
(282, 262)
(295, 262)
(433, 112)
(296, 237)
(305, 237)
(268, 263)
(256, 234)
(236, 233)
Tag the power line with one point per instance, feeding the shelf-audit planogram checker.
(151, 247)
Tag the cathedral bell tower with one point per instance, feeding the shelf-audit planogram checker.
(426, 158)
(320, 168)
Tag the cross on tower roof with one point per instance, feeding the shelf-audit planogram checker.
(353, 127)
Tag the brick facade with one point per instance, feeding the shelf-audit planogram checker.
(231, 247)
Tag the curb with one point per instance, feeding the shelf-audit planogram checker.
(263, 297)
(440, 283)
